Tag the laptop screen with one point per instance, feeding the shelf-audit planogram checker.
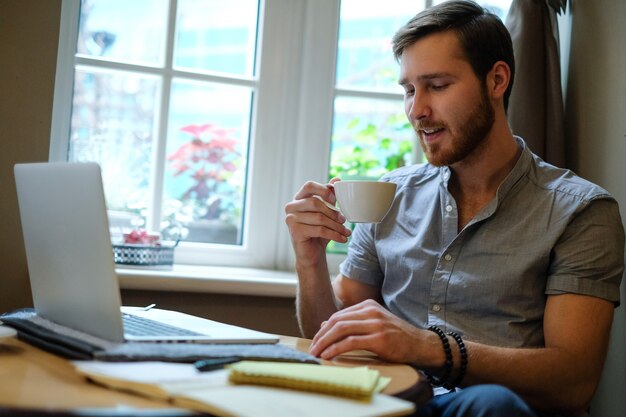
(68, 247)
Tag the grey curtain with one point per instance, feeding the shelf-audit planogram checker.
(536, 105)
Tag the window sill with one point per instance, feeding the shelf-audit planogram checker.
(221, 280)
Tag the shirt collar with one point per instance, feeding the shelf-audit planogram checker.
(519, 170)
(444, 174)
(521, 167)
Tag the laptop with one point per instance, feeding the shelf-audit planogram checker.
(70, 262)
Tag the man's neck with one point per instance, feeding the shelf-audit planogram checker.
(476, 179)
(482, 172)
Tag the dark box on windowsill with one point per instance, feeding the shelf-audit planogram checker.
(144, 255)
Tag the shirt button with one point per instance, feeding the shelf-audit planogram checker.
(448, 208)
(436, 307)
(447, 257)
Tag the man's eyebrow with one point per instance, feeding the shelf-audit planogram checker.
(427, 77)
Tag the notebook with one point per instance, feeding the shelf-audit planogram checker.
(70, 261)
(357, 383)
(211, 392)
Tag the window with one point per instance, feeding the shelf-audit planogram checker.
(206, 116)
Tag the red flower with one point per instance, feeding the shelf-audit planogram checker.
(223, 143)
(197, 130)
(204, 159)
(141, 236)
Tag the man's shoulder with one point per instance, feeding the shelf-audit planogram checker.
(565, 182)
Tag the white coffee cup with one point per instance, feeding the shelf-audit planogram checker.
(364, 201)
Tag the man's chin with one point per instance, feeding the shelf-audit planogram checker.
(435, 156)
(441, 159)
(435, 161)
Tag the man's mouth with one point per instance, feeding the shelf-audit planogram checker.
(432, 131)
(430, 134)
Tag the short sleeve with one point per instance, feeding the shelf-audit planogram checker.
(588, 258)
(362, 263)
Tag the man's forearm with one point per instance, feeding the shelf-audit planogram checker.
(563, 375)
(549, 379)
(315, 299)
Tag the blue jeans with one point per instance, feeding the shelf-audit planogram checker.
(477, 401)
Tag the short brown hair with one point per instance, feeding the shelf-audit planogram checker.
(483, 37)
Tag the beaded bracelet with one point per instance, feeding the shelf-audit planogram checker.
(447, 370)
(463, 351)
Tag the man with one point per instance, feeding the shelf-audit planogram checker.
(492, 271)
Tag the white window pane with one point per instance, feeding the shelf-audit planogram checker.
(113, 124)
(124, 31)
(216, 36)
(207, 151)
(364, 57)
(370, 137)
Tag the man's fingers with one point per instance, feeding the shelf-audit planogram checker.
(308, 221)
(344, 329)
(311, 218)
(366, 335)
(311, 188)
(331, 334)
(345, 324)
(368, 342)
(306, 232)
(315, 204)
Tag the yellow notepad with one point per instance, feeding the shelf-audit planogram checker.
(358, 383)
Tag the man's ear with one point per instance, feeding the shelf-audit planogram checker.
(498, 79)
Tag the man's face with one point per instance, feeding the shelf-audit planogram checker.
(447, 105)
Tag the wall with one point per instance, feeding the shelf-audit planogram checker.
(596, 127)
(28, 44)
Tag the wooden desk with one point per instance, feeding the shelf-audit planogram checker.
(33, 379)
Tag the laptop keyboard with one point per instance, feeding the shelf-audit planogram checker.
(140, 326)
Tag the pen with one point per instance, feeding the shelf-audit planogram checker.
(206, 365)
(146, 308)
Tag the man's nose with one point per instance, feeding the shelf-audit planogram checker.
(418, 108)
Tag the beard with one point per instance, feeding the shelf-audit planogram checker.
(476, 127)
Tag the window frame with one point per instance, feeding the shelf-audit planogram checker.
(284, 107)
(291, 124)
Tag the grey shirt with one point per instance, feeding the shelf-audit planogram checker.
(546, 232)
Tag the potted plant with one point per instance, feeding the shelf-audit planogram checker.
(209, 159)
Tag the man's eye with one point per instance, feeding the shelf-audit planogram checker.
(439, 87)
(409, 91)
